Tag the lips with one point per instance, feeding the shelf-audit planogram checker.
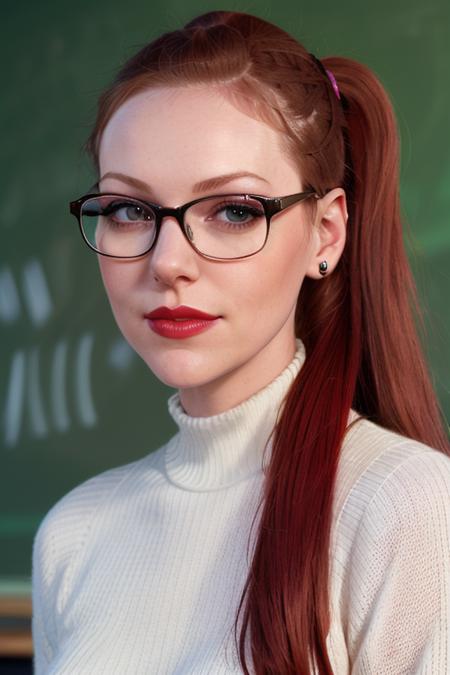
(179, 323)
(181, 313)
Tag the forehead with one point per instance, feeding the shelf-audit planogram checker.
(184, 135)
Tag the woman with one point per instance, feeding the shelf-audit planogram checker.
(302, 508)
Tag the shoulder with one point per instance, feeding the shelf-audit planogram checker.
(386, 479)
(56, 545)
(373, 458)
(392, 550)
(66, 525)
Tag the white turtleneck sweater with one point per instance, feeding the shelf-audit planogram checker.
(139, 570)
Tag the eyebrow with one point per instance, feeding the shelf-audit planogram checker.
(202, 186)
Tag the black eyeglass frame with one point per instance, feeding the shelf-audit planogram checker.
(271, 206)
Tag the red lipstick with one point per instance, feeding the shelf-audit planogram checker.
(179, 322)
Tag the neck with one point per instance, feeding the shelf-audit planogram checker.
(239, 383)
(213, 452)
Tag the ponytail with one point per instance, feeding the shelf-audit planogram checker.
(394, 387)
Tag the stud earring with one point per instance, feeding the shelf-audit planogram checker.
(323, 267)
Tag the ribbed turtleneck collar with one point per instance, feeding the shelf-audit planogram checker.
(210, 453)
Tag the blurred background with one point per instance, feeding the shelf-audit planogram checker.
(75, 399)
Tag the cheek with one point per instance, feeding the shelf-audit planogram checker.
(271, 281)
(118, 277)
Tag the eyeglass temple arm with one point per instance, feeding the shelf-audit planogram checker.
(283, 202)
(292, 199)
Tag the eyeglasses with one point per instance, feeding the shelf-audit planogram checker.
(219, 227)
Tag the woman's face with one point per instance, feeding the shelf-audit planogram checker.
(171, 139)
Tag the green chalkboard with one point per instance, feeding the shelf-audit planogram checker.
(75, 399)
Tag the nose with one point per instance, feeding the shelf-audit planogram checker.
(172, 258)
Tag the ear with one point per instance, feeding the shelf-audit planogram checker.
(329, 232)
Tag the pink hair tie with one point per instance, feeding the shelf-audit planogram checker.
(330, 76)
(333, 82)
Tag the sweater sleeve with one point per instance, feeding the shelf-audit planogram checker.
(41, 642)
(60, 537)
(398, 586)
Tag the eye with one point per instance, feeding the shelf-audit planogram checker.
(236, 213)
(128, 212)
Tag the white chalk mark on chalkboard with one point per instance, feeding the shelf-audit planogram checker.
(83, 393)
(36, 293)
(13, 412)
(37, 415)
(120, 355)
(9, 297)
(58, 397)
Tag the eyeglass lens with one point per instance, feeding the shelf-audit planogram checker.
(221, 227)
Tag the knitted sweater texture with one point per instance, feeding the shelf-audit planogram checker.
(139, 570)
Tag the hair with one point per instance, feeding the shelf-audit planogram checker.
(359, 325)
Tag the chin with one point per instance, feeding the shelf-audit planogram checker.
(180, 371)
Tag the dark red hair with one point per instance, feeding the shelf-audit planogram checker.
(358, 325)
